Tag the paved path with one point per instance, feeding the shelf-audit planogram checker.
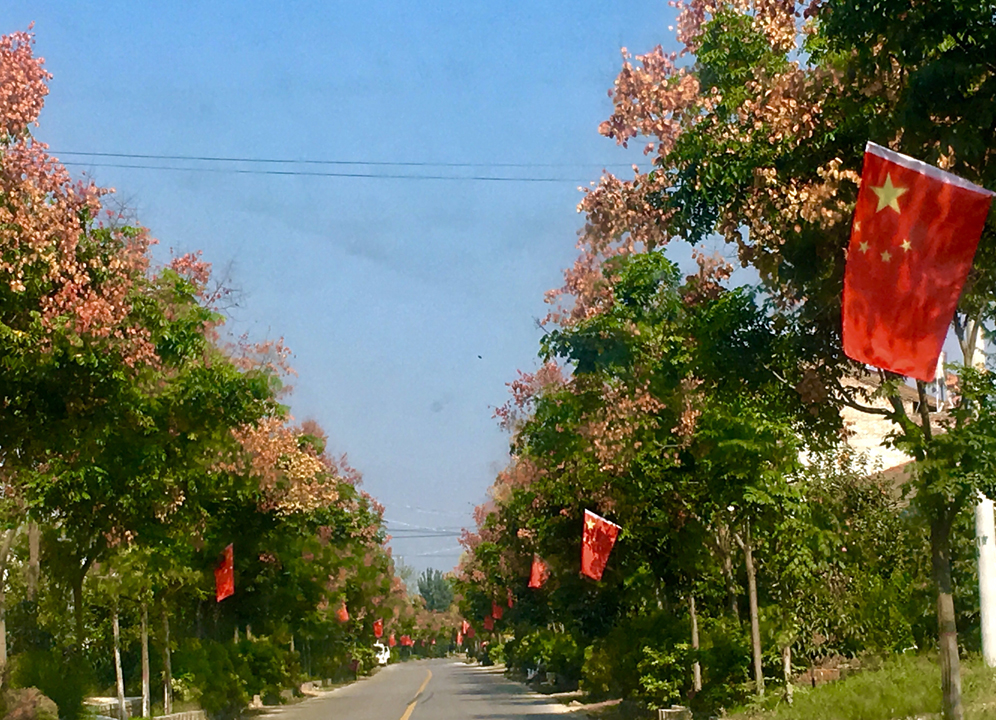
(443, 689)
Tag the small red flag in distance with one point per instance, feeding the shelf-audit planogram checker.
(471, 632)
(497, 611)
(391, 640)
(378, 628)
(913, 237)
(465, 627)
(406, 641)
(596, 544)
(224, 574)
(459, 638)
(342, 614)
(539, 573)
(489, 623)
(511, 600)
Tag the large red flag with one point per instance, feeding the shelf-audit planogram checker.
(913, 238)
(224, 574)
(489, 623)
(539, 573)
(596, 544)
(497, 611)
(378, 628)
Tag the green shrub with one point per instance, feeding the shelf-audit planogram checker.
(611, 664)
(265, 668)
(218, 676)
(664, 674)
(546, 651)
(64, 676)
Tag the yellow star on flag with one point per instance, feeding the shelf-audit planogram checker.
(906, 245)
(863, 247)
(886, 256)
(888, 194)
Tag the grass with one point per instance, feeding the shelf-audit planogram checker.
(902, 687)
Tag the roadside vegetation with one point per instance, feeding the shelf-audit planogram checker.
(706, 417)
(138, 442)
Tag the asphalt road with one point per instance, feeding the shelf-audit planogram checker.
(444, 689)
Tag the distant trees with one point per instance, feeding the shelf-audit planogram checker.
(436, 589)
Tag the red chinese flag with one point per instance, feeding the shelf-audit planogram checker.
(378, 628)
(391, 641)
(471, 632)
(596, 544)
(465, 627)
(539, 574)
(497, 611)
(459, 638)
(511, 600)
(406, 641)
(489, 623)
(224, 574)
(913, 238)
(342, 614)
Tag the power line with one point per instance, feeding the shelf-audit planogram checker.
(305, 173)
(284, 161)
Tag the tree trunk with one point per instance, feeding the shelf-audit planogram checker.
(755, 625)
(8, 539)
(146, 692)
(34, 566)
(985, 540)
(167, 667)
(787, 672)
(119, 675)
(696, 668)
(940, 539)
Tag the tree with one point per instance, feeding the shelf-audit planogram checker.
(759, 139)
(436, 590)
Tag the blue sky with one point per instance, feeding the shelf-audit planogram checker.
(408, 303)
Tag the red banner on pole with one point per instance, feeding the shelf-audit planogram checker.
(913, 237)
(342, 614)
(224, 574)
(378, 628)
(391, 641)
(596, 544)
(497, 611)
(539, 573)
(489, 623)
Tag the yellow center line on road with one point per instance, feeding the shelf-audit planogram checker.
(411, 706)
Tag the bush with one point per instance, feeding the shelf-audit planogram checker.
(664, 674)
(546, 651)
(215, 682)
(64, 676)
(265, 668)
(612, 663)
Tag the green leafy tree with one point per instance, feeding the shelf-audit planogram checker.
(436, 589)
